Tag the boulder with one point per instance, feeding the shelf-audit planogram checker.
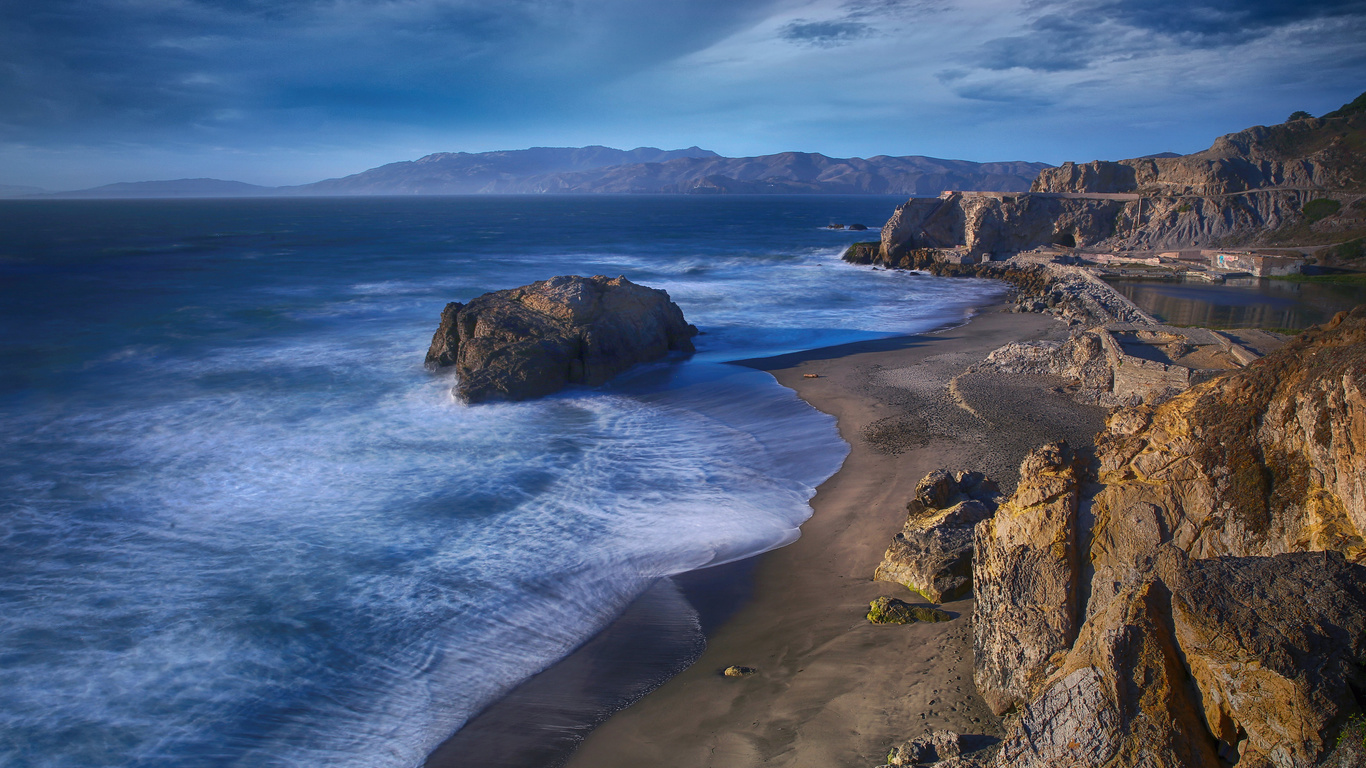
(532, 341)
(932, 555)
(933, 747)
(889, 610)
(1026, 580)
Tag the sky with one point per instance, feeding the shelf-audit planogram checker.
(292, 91)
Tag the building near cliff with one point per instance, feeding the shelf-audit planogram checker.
(1256, 264)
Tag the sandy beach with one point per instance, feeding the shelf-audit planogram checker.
(831, 688)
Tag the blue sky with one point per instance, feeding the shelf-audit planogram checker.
(292, 91)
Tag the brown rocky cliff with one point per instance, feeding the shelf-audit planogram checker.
(1244, 189)
(1266, 460)
(1222, 598)
(1302, 154)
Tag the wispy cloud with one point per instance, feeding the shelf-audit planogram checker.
(825, 32)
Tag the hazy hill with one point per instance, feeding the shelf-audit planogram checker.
(14, 190)
(605, 170)
(171, 188)
(788, 172)
(458, 173)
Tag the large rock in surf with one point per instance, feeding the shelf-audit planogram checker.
(531, 341)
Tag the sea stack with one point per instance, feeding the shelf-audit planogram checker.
(529, 342)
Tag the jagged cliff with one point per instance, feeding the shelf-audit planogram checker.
(1315, 153)
(1258, 186)
(1195, 596)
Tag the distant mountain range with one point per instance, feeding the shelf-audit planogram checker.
(13, 190)
(588, 170)
(176, 188)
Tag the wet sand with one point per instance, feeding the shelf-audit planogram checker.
(831, 688)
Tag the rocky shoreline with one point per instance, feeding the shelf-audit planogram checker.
(1183, 588)
(830, 686)
(1131, 594)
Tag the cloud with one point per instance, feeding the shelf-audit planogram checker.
(825, 32)
(77, 69)
(1066, 35)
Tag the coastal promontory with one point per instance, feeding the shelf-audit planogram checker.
(531, 341)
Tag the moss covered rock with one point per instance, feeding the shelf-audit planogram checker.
(889, 610)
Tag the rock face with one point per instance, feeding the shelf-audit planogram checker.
(1026, 579)
(1001, 223)
(1274, 645)
(932, 555)
(1266, 460)
(1224, 605)
(1119, 698)
(1314, 153)
(531, 341)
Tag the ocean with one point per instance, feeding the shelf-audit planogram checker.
(241, 526)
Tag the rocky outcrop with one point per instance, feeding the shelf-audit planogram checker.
(1274, 646)
(984, 224)
(1026, 579)
(1223, 601)
(1068, 291)
(531, 341)
(1001, 223)
(932, 555)
(1266, 460)
(1205, 663)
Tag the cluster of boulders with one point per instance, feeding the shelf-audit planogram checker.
(532, 341)
(1192, 594)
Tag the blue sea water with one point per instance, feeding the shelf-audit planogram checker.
(241, 526)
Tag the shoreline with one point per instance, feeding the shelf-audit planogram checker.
(830, 685)
(831, 688)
